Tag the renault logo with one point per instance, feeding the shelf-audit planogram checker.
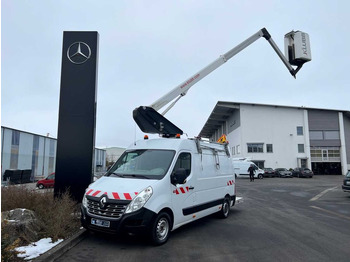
(78, 53)
(103, 202)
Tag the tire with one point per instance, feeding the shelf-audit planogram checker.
(225, 208)
(41, 186)
(260, 176)
(160, 229)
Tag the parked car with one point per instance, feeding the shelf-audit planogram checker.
(47, 182)
(302, 172)
(283, 172)
(346, 182)
(269, 172)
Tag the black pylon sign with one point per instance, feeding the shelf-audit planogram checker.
(77, 114)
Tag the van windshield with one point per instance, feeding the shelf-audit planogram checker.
(149, 164)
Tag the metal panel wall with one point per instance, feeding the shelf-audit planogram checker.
(323, 120)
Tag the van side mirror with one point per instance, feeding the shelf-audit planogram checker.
(179, 177)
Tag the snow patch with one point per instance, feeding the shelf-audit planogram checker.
(36, 249)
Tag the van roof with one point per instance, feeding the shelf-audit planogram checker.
(175, 144)
(164, 143)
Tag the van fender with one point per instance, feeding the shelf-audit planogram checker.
(159, 202)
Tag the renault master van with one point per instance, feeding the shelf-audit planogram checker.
(240, 168)
(158, 185)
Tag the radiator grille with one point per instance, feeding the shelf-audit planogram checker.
(111, 210)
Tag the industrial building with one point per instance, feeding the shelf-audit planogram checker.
(283, 136)
(27, 151)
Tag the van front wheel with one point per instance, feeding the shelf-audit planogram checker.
(225, 208)
(260, 176)
(160, 229)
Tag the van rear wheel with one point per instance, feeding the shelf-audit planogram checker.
(160, 229)
(225, 208)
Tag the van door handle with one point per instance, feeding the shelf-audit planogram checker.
(191, 187)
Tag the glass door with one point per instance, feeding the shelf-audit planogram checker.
(324, 155)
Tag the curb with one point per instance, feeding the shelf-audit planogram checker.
(62, 248)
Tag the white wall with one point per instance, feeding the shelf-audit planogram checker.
(272, 125)
(234, 138)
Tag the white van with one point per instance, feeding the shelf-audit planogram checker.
(240, 167)
(159, 185)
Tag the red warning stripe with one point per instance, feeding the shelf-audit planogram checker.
(115, 195)
(96, 193)
(127, 196)
(182, 190)
(111, 195)
(230, 182)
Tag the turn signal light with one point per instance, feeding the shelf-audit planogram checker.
(145, 137)
(178, 136)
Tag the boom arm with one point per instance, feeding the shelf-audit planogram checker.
(150, 121)
(181, 90)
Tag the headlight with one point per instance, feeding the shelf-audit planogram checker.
(84, 201)
(140, 200)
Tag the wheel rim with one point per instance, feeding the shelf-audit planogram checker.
(225, 208)
(162, 228)
(41, 186)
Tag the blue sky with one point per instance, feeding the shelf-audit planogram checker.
(146, 48)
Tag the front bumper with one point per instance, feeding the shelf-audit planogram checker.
(136, 222)
(346, 188)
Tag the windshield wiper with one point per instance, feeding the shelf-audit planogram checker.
(116, 174)
(136, 176)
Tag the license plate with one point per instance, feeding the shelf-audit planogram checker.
(100, 223)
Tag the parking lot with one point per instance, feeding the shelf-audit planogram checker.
(280, 219)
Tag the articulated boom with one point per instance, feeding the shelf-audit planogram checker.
(297, 49)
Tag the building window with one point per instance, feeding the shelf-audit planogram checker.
(15, 138)
(334, 153)
(233, 150)
(316, 135)
(14, 149)
(35, 154)
(331, 135)
(269, 148)
(300, 131)
(324, 135)
(301, 148)
(255, 148)
(238, 149)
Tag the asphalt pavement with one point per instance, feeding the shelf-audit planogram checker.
(280, 219)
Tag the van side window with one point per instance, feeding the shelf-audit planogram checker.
(183, 161)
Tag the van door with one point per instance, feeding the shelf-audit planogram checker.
(183, 195)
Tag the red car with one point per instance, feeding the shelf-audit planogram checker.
(47, 182)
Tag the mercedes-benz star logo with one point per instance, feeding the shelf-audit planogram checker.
(103, 202)
(78, 53)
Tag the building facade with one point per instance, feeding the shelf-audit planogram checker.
(113, 153)
(282, 136)
(23, 150)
